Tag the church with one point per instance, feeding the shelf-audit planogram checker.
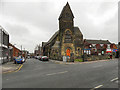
(67, 41)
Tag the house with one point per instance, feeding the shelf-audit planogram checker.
(96, 47)
(99, 47)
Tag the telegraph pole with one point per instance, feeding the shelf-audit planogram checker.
(21, 49)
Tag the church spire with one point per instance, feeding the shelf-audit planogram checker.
(66, 10)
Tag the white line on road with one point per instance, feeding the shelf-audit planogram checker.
(97, 66)
(114, 79)
(51, 74)
(96, 87)
(99, 86)
(62, 72)
(57, 73)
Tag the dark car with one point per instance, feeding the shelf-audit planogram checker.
(44, 58)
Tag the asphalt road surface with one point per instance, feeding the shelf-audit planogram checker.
(38, 74)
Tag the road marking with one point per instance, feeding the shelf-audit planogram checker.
(57, 73)
(97, 66)
(62, 72)
(98, 86)
(19, 68)
(13, 70)
(114, 79)
(52, 74)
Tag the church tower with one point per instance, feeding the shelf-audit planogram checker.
(66, 30)
(66, 19)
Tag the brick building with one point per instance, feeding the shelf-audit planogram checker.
(96, 47)
(15, 51)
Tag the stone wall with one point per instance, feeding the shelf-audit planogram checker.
(97, 57)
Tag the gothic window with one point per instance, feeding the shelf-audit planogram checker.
(68, 38)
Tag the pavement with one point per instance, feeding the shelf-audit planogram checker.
(10, 67)
(76, 62)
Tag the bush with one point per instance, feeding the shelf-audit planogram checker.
(79, 60)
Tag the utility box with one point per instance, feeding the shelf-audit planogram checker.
(64, 58)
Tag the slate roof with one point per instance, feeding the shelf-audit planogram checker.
(97, 41)
(77, 31)
(56, 45)
(50, 40)
(44, 43)
(64, 9)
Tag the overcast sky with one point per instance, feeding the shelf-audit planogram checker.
(30, 22)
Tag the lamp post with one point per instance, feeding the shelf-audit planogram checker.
(21, 50)
(14, 49)
(25, 54)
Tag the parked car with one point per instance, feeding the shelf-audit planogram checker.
(35, 57)
(44, 58)
(19, 59)
(28, 57)
(39, 57)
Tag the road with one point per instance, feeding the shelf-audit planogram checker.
(38, 74)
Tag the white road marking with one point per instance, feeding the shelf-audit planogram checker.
(97, 66)
(62, 72)
(98, 86)
(57, 73)
(114, 79)
(51, 74)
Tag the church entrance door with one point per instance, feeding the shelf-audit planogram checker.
(68, 52)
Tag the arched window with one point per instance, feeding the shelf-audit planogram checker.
(68, 37)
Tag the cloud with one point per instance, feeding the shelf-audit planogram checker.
(36, 21)
(97, 19)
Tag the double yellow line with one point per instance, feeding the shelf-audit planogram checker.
(19, 68)
(14, 70)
